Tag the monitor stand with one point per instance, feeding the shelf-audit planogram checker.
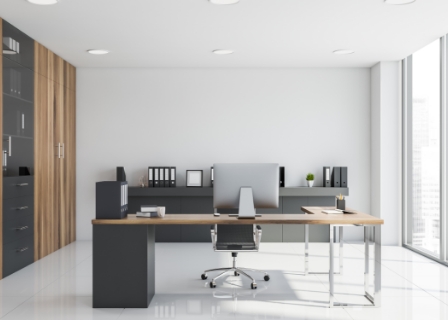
(246, 209)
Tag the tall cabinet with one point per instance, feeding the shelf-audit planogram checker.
(38, 110)
(17, 149)
(55, 152)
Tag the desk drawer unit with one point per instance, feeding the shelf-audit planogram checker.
(18, 207)
(21, 186)
(18, 223)
(18, 228)
(17, 255)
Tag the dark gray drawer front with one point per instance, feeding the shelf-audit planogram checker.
(18, 207)
(18, 228)
(14, 187)
(17, 255)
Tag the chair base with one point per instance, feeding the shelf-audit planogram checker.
(236, 271)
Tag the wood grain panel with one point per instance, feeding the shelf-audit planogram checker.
(200, 219)
(40, 59)
(49, 64)
(59, 177)
(58, 71)
(68, 230)
(69, 76)
(55, 215)
(1, 148)
(45, 227)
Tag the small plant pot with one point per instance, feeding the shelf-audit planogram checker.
(340, 204)
(310, 183)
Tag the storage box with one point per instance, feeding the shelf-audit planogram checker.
(111, 199)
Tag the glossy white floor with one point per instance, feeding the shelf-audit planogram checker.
(60, 286)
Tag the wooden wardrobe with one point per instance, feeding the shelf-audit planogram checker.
(55, 152)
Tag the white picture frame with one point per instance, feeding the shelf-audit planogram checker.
(194, 178)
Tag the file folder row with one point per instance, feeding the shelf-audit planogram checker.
(339, 177)
(161, 177)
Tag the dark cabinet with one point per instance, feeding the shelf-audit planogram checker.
(17, 46)
(17, 149)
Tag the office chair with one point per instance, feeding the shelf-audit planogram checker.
(234, 239)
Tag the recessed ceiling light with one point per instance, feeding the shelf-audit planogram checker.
(222, 51)
(343, 51)
(398, 2)
(43, 2)
(224, 1)
(98, 51)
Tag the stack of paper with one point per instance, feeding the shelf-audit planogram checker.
(147, 211)
(331, 211)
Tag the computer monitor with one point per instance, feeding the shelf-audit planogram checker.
(245, 186)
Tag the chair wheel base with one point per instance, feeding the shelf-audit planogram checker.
(203, 276)
(253, 285)
(212, 285)
(266, 278)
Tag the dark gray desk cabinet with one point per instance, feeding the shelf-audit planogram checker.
(200, 200)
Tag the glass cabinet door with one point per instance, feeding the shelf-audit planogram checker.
(18, 102)
(17, 46)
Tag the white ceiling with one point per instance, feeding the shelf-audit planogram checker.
(263, 33)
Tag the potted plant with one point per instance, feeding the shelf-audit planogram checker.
(310, 179)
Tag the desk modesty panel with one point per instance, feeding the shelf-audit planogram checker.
(317, 217)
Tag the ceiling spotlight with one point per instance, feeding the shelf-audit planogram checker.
(224, 1)
(398, 2)
(343, 51)
(222, 51)
(98, 51)
(43, 2)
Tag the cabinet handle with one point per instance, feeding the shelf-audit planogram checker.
(63, 151)
(5, 159)
(8, 152)
(59, 150)
(22, 184)
(22, 249)
(22, 208)
(22, 228)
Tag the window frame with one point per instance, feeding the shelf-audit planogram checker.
(407, 156)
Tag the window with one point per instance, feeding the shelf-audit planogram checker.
(422, 136)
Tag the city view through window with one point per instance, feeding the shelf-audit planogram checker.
(426, 149)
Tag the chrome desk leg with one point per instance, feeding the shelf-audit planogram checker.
(333, 237)
(331, 272)
(377, 284)
(341, 249)
(375, 298)
(307, 234)
(366, 259)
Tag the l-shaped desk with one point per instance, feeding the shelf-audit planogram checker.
(124, 252)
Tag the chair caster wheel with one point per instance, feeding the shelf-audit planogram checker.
(203, 276)
(266, 278)
(212, 285)
(236, 274)
(253, 285)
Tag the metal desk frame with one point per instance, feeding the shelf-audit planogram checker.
(375, 297)
(341, 250)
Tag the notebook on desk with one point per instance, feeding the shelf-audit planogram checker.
(332, 211)
(337, 211)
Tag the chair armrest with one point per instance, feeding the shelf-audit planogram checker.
(257, 236)
(214, 235)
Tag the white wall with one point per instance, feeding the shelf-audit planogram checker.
(386, 149)
(303, 119)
